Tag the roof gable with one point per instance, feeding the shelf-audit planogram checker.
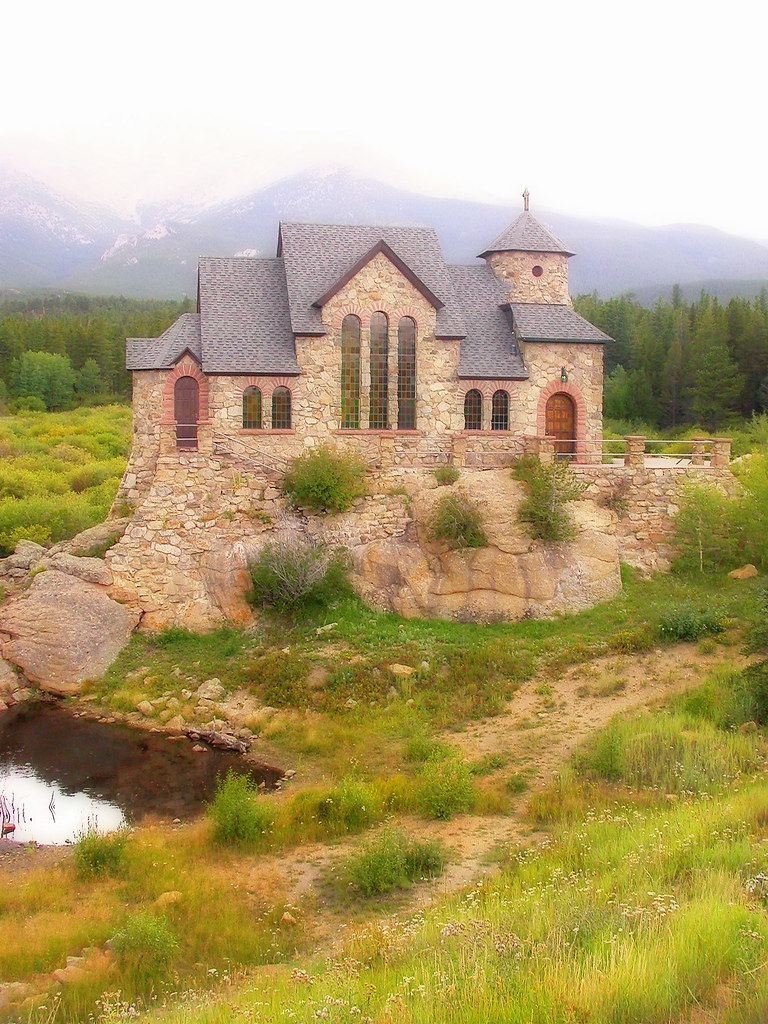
(318, 256)
(380, 247)
(161, 353)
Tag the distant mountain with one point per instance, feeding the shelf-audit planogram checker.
(44, 236)
(58, 245)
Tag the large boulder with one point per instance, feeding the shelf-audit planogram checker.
(508, 578)
(92, 570)
(94, 539)
(64, 631)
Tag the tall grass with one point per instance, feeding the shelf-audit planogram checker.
(624, 918)
(674, 753)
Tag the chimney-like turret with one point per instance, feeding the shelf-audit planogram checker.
(532, 260)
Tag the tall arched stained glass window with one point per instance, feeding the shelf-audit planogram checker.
(252, 409)
(500, 411)
(406, 374)
(378, 418)
(281, 409)
(350, 373)
(473, 410)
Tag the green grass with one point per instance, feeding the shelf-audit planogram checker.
(59, 471)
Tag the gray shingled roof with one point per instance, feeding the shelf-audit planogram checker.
(160, 353)
(489, 349)
(244, 319)
(537, 321)
(318, 255)
(527, 235)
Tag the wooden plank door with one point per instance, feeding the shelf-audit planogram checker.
(186, 406)
(561, 423)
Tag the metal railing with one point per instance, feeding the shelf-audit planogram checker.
(263, 460)
(634, 451)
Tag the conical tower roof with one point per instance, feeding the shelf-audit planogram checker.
(526, 234)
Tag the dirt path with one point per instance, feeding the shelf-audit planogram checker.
(545, 721)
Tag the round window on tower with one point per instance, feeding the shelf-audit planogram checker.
(537, 271)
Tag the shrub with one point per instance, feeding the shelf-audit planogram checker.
(687, 622)
(291, 571)
(240, 816)
(420, 748)
(731, 699)
(758, 626)
(714, 531)
(98, 853)
(446, 788)
(146, 944)
(550, 486)
(446, 475)
(325, 480)
(392, 860)
(456, 520)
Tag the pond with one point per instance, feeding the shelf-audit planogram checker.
(61, 774)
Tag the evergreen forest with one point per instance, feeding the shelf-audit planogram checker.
(59, 351)
(680, 363)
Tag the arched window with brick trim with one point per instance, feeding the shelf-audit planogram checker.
(500, 411)
(473, 410)
(281, 409)
(186, 411)
(379, 411)
(350, 372)
(252, 409)
(406, 374)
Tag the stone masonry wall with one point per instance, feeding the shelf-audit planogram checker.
(645, 501)
(183, 557)
(517, 268)
(145, 438)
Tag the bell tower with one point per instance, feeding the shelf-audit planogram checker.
(532, 260)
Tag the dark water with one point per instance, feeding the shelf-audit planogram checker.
(60, 774)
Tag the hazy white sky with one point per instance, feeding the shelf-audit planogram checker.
(654, 112)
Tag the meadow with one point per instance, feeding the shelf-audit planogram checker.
(59, 471)
(626, 881)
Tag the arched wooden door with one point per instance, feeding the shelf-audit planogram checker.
(186, 411)
(561, 423)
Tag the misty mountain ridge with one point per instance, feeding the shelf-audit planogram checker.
(48, 241)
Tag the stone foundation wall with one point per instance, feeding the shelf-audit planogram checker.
(183, 557)
(147, 408)
(645, 501)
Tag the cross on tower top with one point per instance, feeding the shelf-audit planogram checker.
(525, 200)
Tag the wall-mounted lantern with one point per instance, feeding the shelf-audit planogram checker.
(563, 376)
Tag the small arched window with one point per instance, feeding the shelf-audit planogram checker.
(379, 412)
(350, 372)
(473, 410)
(281, 409)
(406, 374)
(252, 409)
(500, 411)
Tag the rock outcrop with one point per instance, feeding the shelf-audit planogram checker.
(509, 578)
(63, 631)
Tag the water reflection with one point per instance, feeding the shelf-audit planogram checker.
(60, 773)
(48, 814)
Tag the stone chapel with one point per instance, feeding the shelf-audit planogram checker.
(364, 336)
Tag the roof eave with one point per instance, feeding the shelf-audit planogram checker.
(550, 252)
